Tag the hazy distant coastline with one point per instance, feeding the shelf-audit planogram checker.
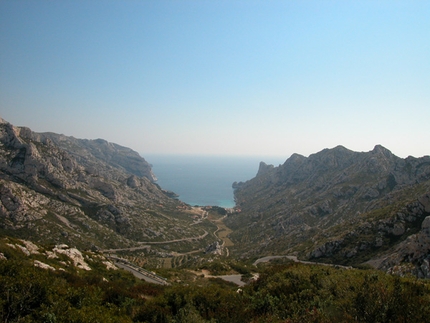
(205, 180)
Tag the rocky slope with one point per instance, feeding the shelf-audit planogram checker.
(55, 188)
(60, 257)
(91, 152)
(337, 206)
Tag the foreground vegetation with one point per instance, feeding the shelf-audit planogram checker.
(283, 293)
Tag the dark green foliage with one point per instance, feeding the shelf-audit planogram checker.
(298, 293)
(22, 290)
(283, 293)
(241, 269)
(216, 267)
(32, 294)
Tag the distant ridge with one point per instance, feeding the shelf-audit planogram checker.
(337, 205)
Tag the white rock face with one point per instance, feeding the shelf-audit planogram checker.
(109, 265)
(42, 265)
(28, 249)
(31, 247)
(74, 254)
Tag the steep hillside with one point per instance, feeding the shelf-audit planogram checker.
(88, 193)
(334, 206)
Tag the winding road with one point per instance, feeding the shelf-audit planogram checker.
(146, 244)
(294, 258)
(139, 272)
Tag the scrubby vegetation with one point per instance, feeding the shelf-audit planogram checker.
(289, 292)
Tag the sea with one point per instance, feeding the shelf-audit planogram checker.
(205, 180)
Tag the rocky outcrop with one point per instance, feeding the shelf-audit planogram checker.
(214, 248)
(42, 265)
(74, 254)
(264, 169)
(73, 257)
(374, 235)
(411, 256)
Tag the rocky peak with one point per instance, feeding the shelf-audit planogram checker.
(337, 157)
(380, 150)
(298, 168)
(295, 159)
(264, 168)
(9, 135)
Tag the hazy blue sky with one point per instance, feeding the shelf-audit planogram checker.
(221, 77)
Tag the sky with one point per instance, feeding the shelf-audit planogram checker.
(219, 77)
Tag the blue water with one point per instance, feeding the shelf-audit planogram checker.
(205, 180)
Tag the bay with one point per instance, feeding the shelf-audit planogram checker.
(205, 180)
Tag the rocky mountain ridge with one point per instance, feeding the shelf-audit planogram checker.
(336, 205)
(80, 192)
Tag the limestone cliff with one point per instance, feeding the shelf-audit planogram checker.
(60, 189)
(336, 205)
